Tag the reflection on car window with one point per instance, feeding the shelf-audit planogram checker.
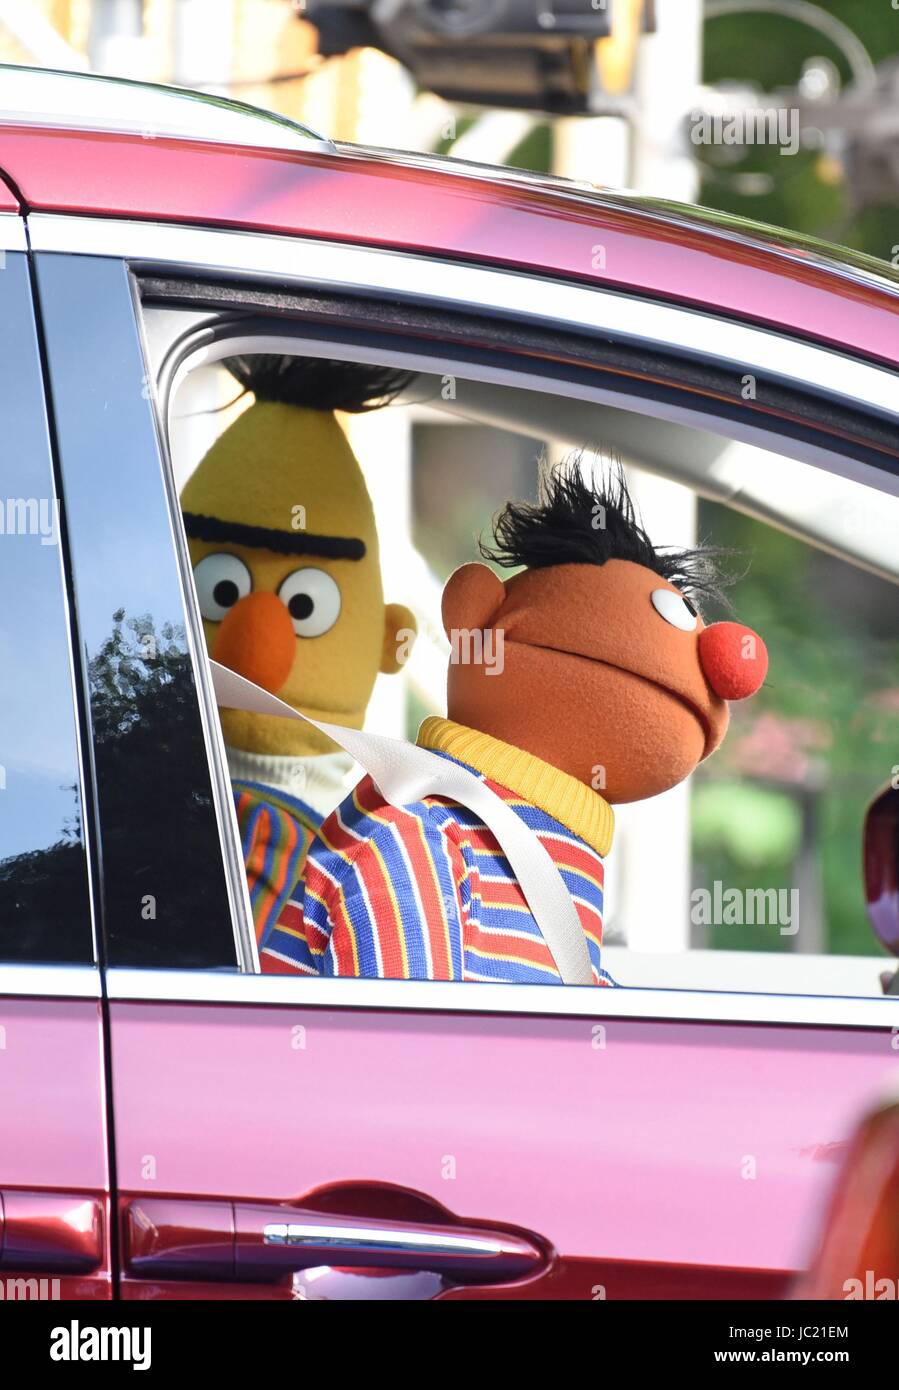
(44, 913)
(165, 898)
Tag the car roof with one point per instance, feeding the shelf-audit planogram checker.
(139, 151)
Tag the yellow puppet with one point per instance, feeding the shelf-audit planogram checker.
(284, 548)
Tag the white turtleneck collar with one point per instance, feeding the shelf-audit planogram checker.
(321, 780)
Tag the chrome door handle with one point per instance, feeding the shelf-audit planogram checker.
(242, 1241)
(459, 1253)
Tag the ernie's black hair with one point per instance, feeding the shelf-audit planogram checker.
(586, 522)
(317, 384)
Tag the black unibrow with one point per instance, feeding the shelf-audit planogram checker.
(213, 528)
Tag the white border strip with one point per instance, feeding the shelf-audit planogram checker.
(560, 1001)
(49, 981)
(420, 996)
(327, 265)
(12, 232)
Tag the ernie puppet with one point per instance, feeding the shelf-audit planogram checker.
(613, 689)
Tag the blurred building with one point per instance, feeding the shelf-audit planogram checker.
(258, 51)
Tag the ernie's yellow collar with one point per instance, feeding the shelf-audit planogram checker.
(582, 811)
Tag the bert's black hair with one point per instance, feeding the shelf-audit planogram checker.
(586, 522)
(318, 384)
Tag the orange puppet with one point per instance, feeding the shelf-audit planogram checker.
(603, 684)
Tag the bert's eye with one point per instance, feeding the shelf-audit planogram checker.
(221, 580)
(313, 601)
(675, 609)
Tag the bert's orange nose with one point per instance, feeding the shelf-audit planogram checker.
(734, 659)
(256, 639)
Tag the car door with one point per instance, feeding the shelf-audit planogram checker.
(286, 1138)
(55, 1238)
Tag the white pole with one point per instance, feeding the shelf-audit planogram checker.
(648, 872)
(655, 835)
(204, 43)
(383, 440)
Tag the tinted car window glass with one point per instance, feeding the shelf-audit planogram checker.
(165, 899)
(44, 903)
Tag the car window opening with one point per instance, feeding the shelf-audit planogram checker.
(576, 632)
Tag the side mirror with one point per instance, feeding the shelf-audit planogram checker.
(881, 872)
(858, 1253)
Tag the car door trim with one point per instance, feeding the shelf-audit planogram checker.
(50, 981)
(435, 996)
(527, 298)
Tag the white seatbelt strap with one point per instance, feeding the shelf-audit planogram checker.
(405, 773)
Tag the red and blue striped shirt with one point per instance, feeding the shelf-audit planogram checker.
(425, 892)
(276, 830)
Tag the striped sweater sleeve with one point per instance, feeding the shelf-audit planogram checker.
(382, 897)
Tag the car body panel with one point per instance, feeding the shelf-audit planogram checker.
(658, 1158)
(54, 1166)
(357, 198)
(53, 1109)
(8, 200)
(647, 1143)
(53, 1049)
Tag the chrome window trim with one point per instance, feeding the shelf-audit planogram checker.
(12, 232)
(463, 286)
(203, 349)
(569, 1001)
(49, 982)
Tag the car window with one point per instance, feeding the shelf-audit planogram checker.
(44, 903)
(744, 877)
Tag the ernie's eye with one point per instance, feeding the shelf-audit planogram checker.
(675, 609)
(312, 599)
(221, 580)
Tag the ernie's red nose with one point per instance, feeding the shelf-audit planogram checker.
(734, 659)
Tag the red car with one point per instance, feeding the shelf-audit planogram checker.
(175, 1124)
